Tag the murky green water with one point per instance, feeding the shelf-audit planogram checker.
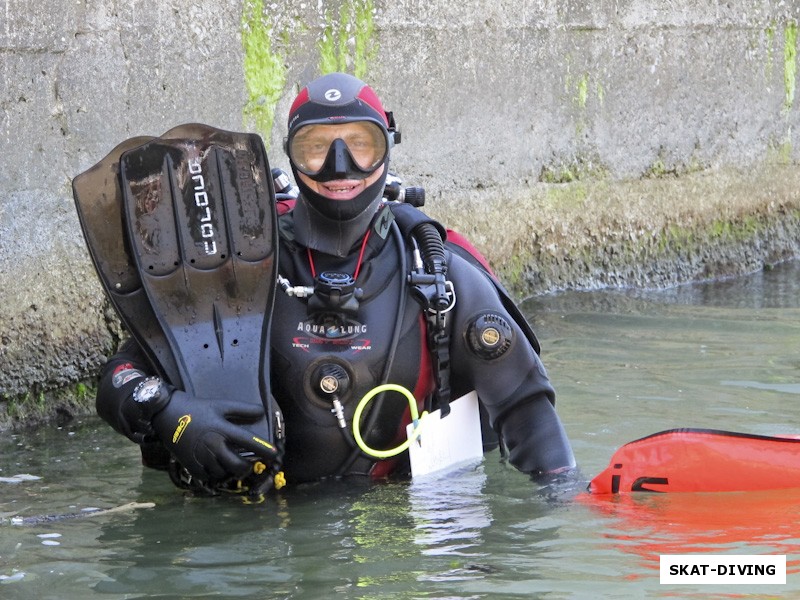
(723, 355)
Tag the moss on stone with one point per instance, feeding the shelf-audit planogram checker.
(514, 272)
(264, 69)
(39, 406)
(789, 63)
(580, 169)
(348, 44)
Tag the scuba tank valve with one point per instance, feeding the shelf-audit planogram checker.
(393, 190)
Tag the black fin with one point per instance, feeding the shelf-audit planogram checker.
(98, 199)
(200, 211)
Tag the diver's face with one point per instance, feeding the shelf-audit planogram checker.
(341, 189)
(339, 161)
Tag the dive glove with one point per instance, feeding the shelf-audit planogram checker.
(211, 438)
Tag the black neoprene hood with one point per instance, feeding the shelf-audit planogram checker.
(336, 98)
(322, 223)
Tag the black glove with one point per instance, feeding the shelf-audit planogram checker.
(209, 437)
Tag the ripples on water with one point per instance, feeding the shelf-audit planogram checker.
(625, 363)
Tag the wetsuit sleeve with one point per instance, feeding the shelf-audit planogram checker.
(491, 354)
(118, 378)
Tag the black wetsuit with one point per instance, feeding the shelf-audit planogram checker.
(380, 337)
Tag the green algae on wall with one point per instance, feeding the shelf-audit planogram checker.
(346, 44)
(782, 151)
(349, 44)
(789, 64)
(586, 93)
(513, 272)
(264, 69)
(36, 405)
(579, 168)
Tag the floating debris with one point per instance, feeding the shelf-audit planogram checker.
(19, 478)
(92, 512)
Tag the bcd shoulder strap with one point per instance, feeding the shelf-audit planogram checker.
(431, 288)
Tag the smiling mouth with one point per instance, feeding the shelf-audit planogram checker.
(343, 190)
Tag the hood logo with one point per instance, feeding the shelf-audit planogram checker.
(332, 95)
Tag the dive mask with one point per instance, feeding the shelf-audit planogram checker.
(350, 150)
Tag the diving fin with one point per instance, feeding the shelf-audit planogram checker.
(199, 206)
(98, 199)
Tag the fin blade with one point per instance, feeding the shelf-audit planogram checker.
(98, 200)
(214, 215)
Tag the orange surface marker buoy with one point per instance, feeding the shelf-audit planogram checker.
(701, 460)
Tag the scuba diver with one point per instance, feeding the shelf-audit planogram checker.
(370, 291)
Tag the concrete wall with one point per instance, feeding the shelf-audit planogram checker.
(578, 143)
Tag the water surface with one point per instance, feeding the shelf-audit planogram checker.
(625, 363)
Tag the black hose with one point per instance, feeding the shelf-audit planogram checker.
(431, 247)
(433, 286)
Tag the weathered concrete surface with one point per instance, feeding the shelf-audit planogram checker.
(648, 232)
(578, 143)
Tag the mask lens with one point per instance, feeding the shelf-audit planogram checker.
(366, 143)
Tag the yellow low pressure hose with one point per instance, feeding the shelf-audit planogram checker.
(415, 418)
